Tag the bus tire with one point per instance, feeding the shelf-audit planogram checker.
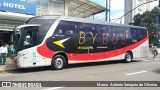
(128, 57)
(58, 62)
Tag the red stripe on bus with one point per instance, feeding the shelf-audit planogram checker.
(103, 55)
(15, 64)
(46, 52)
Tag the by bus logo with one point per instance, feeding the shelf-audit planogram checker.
(6, 84)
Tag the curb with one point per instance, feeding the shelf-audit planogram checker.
(5, 69)
(8, 67)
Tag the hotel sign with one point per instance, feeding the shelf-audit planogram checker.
(18, 6)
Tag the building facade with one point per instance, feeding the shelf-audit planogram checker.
(48, 7)
(12, 16)
(131, 4)
(16, 12)
(75, 8)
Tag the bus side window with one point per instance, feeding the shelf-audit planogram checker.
(128, 34)
(134, 35)
(44, 28)
(69, 33)
(59, 32)
(88, 29)
(138, 34)
(66, 28)
(105, 34)
(83, 30)
(143, 33)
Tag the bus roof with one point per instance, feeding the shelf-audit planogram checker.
(84, 20)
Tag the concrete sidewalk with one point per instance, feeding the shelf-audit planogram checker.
(8, 66)
(150, 57)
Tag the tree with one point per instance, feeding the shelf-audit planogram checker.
(148, 20)
(137, 19)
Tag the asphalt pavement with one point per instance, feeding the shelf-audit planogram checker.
(9, 64)
(144, 69)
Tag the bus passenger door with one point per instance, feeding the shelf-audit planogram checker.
(30, 42)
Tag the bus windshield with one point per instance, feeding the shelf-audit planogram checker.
(23, 36)
(45, 26)
(26, 37)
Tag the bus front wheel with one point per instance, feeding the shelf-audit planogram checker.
(58, 62)
(128, 57)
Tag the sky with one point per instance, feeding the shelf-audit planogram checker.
(117, 8)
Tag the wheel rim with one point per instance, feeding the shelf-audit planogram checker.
(59, 63)
(128, 58)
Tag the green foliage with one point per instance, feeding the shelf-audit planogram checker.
(148, 20)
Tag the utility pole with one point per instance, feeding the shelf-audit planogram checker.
(159, 3)
(157, 34)
(106, 10)
(109, 10)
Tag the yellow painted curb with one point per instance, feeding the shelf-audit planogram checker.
(5, 69)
